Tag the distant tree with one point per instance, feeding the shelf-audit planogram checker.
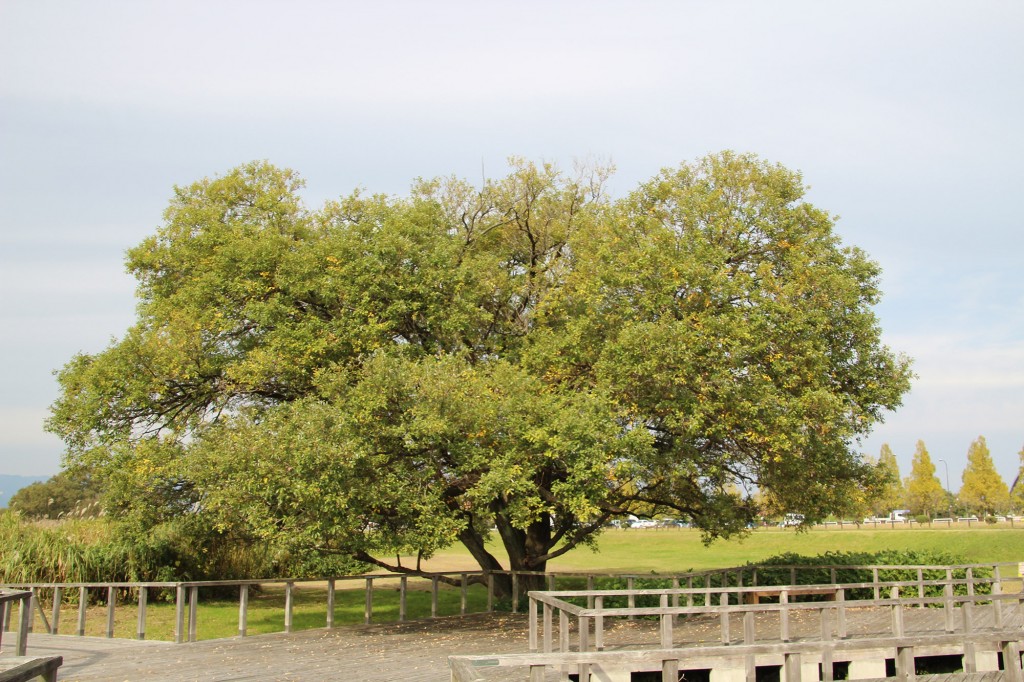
(984, 490)
(925, 494)
(69, 493)
(889, 493)
(1017, 487)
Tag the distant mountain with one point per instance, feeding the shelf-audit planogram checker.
(12, 484)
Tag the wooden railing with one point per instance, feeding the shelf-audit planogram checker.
(1003, 632)
(794, 656)
(7, 601)
(546, 607)
(186, 595)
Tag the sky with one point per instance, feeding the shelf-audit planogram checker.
(905, 120)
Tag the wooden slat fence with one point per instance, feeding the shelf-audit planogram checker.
(187, 595)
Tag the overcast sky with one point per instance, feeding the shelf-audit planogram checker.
(905, 118)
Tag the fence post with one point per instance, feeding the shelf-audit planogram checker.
(490, 592)
(433, 596)
(243, 610)
(289, 596)
(403, 593)
(24, 625)
(841, 614)
(547, 628)
(1011, 661)
(947, 594)
(464, 579)
(723, 619)
(330, 602)
(140, 629)
(55, 612)
(563, 631)
(997, 604)
(584, 633)
(193, 613)
(826, 641)
(532, 622)
(368, 611)
(784, 617)
(111, 605)
(179, 614)
(666, 625)
(970, 659)
(83, 603)
(897, 614)
(33, 604)
(515, 592)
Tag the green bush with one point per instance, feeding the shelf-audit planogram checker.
(813, 570)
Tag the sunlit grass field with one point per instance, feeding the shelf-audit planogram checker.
(619, 551)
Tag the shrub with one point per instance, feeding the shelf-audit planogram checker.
(818, 569)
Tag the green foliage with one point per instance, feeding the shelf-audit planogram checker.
(390, 375)
(69, 493)
(983, 491)
(101, 550)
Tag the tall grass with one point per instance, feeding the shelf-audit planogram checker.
(101, 550)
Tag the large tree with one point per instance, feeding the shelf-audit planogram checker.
(386, 376)
(984, 490)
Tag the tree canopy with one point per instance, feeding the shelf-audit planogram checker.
(389, 375)
(983, 488)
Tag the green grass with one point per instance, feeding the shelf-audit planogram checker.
(620, 551)
(679, 550)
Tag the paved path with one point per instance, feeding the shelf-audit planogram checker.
(414, 651)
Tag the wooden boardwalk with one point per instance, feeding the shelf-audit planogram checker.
(416, 651)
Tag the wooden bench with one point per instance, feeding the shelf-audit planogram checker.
(754, 596)
(25, 668)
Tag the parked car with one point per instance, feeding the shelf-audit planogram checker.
(792, 520)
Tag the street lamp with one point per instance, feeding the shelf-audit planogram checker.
(949, 491)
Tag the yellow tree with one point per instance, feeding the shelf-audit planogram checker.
(1017, 487)
(924, 491)
(889, 493)
(983, 488)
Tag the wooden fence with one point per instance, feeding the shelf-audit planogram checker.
(7, 601)
(187, 594)
(586, 613)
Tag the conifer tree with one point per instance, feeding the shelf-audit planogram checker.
(890, 494)
(984, 490)
(1017, 487)
(924, 491)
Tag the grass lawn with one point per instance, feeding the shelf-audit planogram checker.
(623, 551)
(680, 549)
